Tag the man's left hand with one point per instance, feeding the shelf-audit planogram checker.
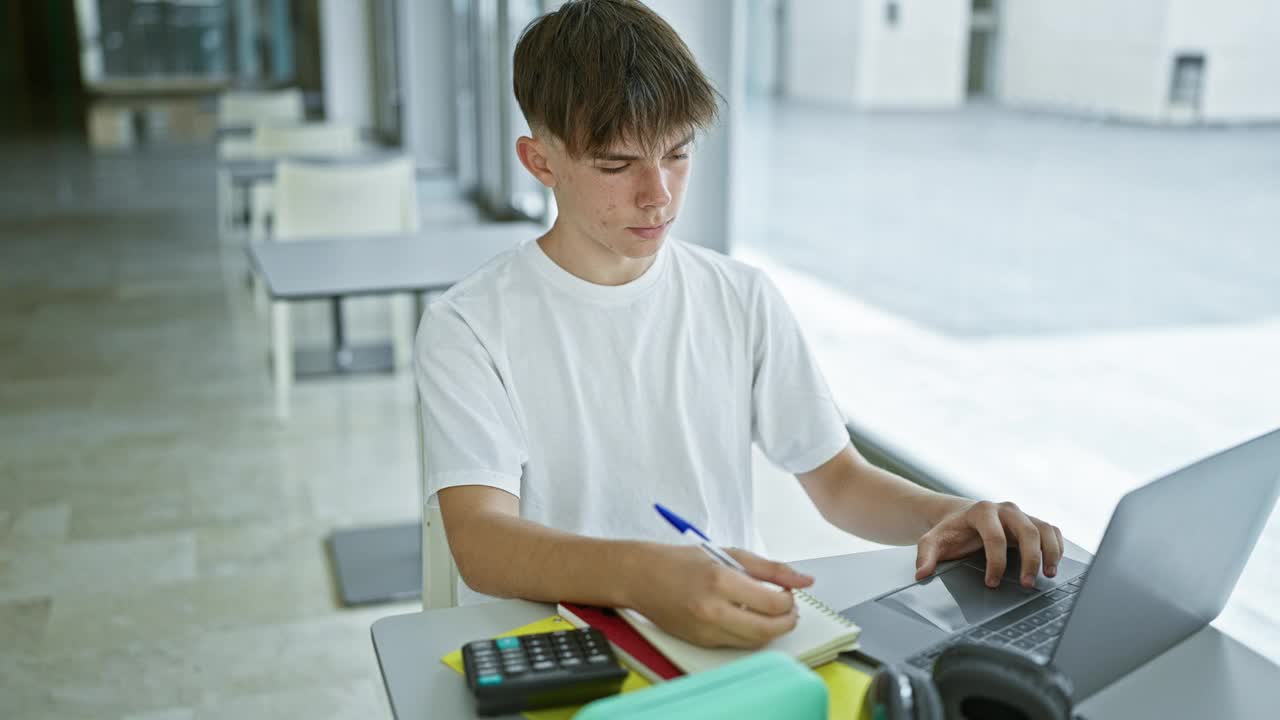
(984, 525)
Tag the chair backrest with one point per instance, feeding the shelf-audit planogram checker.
(439, 572)
(314, 200)
(243, 108)
(305, 140)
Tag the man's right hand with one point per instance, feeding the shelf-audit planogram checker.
(690, 595)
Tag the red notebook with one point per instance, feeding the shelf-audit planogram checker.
(632, 648)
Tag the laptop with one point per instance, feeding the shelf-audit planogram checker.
(1168, 561)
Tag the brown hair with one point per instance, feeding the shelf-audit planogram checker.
(597, 72)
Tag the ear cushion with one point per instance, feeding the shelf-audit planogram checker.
(928, 701)
(980, 681)
(896, 694)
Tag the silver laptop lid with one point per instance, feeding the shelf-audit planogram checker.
(1168, 562)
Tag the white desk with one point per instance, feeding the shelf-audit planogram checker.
(1209, 675)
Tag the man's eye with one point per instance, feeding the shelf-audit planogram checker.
(613, 170)
(681, 156)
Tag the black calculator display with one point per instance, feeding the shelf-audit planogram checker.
(566, 667)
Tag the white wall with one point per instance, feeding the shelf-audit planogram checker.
(346, 61)
(846, 53)
(1116, 59)
(1092, 56)
(920, 62)
(1241, 43)
(821, 46)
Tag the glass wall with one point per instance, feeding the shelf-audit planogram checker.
(1052, 295)
(248, 41)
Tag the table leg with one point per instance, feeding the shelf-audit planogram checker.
(282, 360)
(403, 329)
(342, 353)
(226, 205)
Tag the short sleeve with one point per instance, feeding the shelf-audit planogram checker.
(794, 419)
(470, 434)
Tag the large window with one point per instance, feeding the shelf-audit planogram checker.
(1052, 295)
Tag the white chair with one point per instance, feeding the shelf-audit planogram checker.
(244, 109)
(296, 140)
(439, 572)
(323, 200)
(241, 108)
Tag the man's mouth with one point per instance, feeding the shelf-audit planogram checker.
(651, 232)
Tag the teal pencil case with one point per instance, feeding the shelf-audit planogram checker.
(763, 686)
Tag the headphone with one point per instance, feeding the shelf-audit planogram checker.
(971, 682)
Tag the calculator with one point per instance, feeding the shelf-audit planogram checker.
(527, 672)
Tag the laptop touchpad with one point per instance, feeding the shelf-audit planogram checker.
(956, 599)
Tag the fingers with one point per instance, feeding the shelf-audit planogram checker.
(926, 555)
(769, 570)
(1050, 545)
(1027, 535)
(986, 521)
(727, 625)
(738, 589)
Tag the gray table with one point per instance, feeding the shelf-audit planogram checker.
(333, 268)
(1209, 675)
(244, 171)
(371, 564)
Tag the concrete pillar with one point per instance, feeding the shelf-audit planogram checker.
(715, 30)
(427, 88)
(346, 61)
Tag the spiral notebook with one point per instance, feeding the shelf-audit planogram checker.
(819, 636)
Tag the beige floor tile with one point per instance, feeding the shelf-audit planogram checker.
(23, 623)
(256, 548)
(166, 714)
(155, 672)
(181, 610)
(76, 568)
(39, 525)
(355, 700)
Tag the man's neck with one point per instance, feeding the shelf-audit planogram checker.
(587, 259)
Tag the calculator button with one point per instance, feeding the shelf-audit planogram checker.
(570, 662)
(544, 665)
(507, 643)
(515, 669)
(489, 680)
(597, 658)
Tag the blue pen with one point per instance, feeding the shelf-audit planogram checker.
(707, 546)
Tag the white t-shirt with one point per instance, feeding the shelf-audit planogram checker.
(590, 403)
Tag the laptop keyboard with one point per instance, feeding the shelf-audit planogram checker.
(1032, 628)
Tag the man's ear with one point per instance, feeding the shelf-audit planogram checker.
(534, 155)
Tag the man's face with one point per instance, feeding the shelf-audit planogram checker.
(622, 199)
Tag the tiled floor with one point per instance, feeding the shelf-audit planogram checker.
(161, 532)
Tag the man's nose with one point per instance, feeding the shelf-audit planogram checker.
(653, 192)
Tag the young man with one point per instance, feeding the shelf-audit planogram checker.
(571, 383)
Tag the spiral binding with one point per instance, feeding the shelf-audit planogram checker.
(826, 609)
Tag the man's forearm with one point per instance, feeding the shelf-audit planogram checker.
(506, 556)
(880, 506)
